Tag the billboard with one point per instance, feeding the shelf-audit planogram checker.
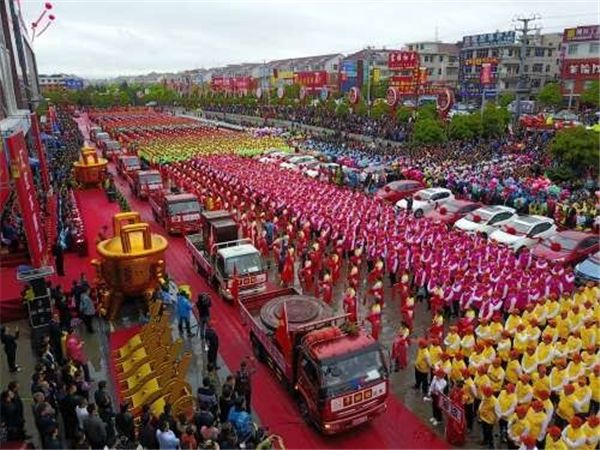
(401, 60)
(311, 79)
(489, 39)
(581, 69)
(74, 84)
(580, 34)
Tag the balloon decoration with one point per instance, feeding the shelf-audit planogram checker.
(36, 24)
(354, 95)
(392, 96)
(303, 93)
(445, 101)
(280, 92)
(259, 93)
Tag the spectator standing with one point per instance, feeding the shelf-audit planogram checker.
(166, 438)
(88, 310)
(204, 304)
(95, 428)
(184, 311)
(212, 346)
(10, 347)
(124, 422)
(243, 384)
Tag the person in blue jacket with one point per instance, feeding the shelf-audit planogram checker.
(184, 312)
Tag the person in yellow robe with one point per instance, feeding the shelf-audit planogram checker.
(583, 396)
(529, 361)
(487, 416)
(452, 340)
(575, 368)
(422, 367)
(540, 381)
(505, 408)
(496, 374)
(538, 420)
(554, 439)
(573, 434)
(524, 390)
(512, 322)
(517, 426)
(504, 346)
(594, 379)
(591, 431)
(544, 352)
(513, 368)
(565, 410)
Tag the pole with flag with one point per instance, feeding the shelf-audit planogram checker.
(282, 334)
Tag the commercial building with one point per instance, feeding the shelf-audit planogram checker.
(501, 50)
(60, 81)
(580, 56)
(440, 59)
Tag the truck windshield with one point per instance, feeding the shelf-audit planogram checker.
(244, 264)
(131, 162)
(353, 371)
(150, 178)
(186, 207)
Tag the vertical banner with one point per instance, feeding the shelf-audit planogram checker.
(41, 151)
(4, 177)
(485, 76)
(27, 197)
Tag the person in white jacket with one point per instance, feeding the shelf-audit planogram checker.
(436, 388)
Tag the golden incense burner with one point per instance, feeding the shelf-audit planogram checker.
(90, 169)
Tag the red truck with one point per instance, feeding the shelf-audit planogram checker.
(217, 253)
(144, 182)
(126, 165)
(337, 373)
(177, 213)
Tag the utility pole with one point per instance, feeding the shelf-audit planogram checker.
(369, 60)
(522, 83)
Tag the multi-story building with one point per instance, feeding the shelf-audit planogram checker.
(501, 50)
(440, 59)
(580, 60)
(355, 67)
(60, 81)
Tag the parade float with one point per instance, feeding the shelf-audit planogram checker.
(90, 170)
(131, 263)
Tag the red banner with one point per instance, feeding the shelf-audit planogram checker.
(485, 76)
(4, 177)
(403, 60)
(242, 83)
(27, 197)
(581, 69)
(41, 151)
(312, 79)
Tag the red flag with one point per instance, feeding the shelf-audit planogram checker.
(282, 335)
(235, 287)
(211, 242)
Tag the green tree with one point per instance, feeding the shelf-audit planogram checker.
(343, 108)
(428, 131)
(361, 108)
(591, 95)
(494, 120)
(506, 98)
(550, 95)
(465, 126)
(380, 108)
(403, 114)
(428, 110)
(576, 148)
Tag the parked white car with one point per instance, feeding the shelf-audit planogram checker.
(274, 156)
(524, 232)
(426, 200)
(313, 172)
(486, 220)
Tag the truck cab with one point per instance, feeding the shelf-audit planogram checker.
(144, 182)
(220, 256)
(177, 213)
(126, 164)
(337, 372)
(111, 149)
(100, 138)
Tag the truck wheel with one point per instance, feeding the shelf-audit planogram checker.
(303, 409)
(419, 213)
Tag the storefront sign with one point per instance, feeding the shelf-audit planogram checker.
(490, 39)
(485, 76)
(403, 60)
(580, 34)
(4, 176)
(581, 69)
(27, 198)
(481, 61)
(311, 80)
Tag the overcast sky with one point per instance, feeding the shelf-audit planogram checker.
(95, 38)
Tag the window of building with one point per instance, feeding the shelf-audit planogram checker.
(573, 48)
(429, 71)
(594, 48)
(495, 52)
(525, 68)
(587, 84)
(550, 53)
(547, 67)
(452, 59)
(421, 47)
(335, 67)
(537, 68)
(439, 71)
(539, 52)
(482, 53)
(441, 58)
(569, 85)
(535, 83)
(510, 52)
(528, 52)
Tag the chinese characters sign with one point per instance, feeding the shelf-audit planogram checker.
(489, 39)
(579, 34)
(403, 60)
(311, 79)
(481, 61)
(451, 409)
(581, 69)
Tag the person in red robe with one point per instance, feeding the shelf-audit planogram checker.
(316, 256)
(407, 311)
(456, 431)
(377, 291)
(374, 318)
(327, 288)
(353, 278)
(436, 330)
(400, 349)
(351, 305)
(335, 266)
(376, 273)
(287, 274)
(307, 276)
(402, 288)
